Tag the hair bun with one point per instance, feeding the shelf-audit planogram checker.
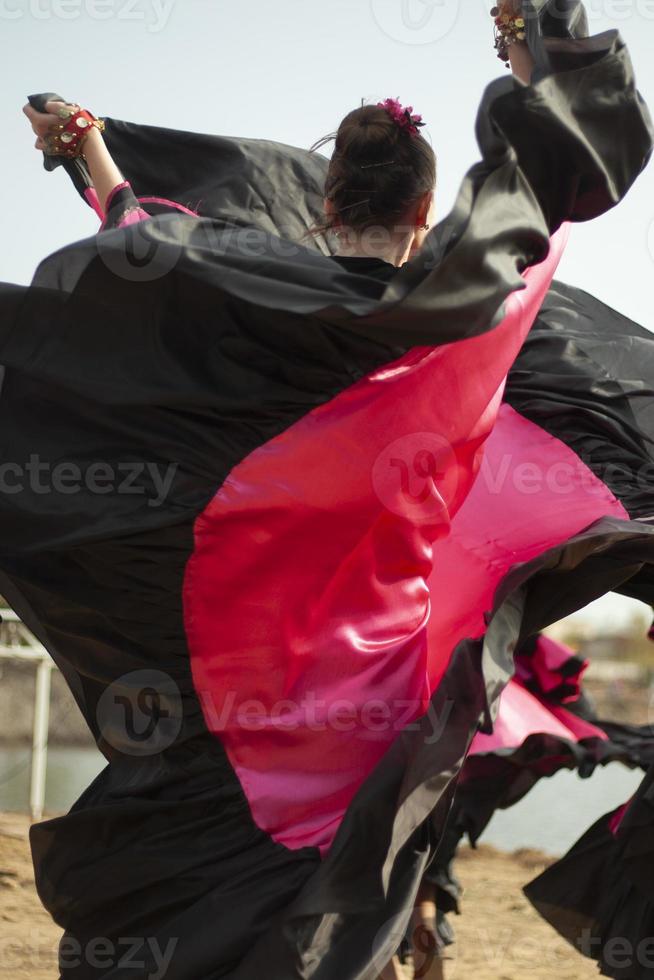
(366, 134)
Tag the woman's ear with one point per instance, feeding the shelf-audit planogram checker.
(425, 210)
(330, 210)
(424, 217)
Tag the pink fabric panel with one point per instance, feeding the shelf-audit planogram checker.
(616, 818)
(532, 492)
(579, 728)
(133, 218)
(324, 598)
(546, 667)
(521, 715)
(169, 204)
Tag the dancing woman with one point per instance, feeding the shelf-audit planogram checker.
(271, 591)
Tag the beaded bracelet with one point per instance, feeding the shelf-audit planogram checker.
(509, 29)
(66, 139)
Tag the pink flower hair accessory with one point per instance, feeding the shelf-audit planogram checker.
(403, 116)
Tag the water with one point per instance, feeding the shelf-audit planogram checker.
(559, 810)
(69, 772)
(551, 817)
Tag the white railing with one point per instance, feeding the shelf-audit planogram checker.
(19, 644)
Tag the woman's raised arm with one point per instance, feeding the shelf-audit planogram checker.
(522, 63)
(104, 173)
(511, 38)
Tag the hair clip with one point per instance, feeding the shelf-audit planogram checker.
(348, 207)
(404, 116)
(367, 166)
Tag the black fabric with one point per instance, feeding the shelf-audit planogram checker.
(600, 896)
(584, 375)
(120, 204)
(165, 852)
(499, 780)
(367, 266)
(167, 390)
(164, 832)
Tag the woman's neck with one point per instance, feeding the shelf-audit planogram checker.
(376, 243)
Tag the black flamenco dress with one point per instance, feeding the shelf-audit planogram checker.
(273, 546)
(546, 723)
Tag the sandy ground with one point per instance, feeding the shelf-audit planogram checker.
(499, 936)
(28, 938)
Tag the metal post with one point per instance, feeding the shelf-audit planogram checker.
(40, 737)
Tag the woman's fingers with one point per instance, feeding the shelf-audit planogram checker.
(42, 122)
(62, 111)
(54, 107)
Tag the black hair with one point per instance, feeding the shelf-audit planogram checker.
(377, 171)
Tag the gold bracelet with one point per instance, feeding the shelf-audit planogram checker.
(509, 29)
(67, 137)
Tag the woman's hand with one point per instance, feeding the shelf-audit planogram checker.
(511, 7)
(43, 122)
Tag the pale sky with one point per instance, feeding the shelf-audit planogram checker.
(286, 70)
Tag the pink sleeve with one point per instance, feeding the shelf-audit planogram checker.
(122, 208)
